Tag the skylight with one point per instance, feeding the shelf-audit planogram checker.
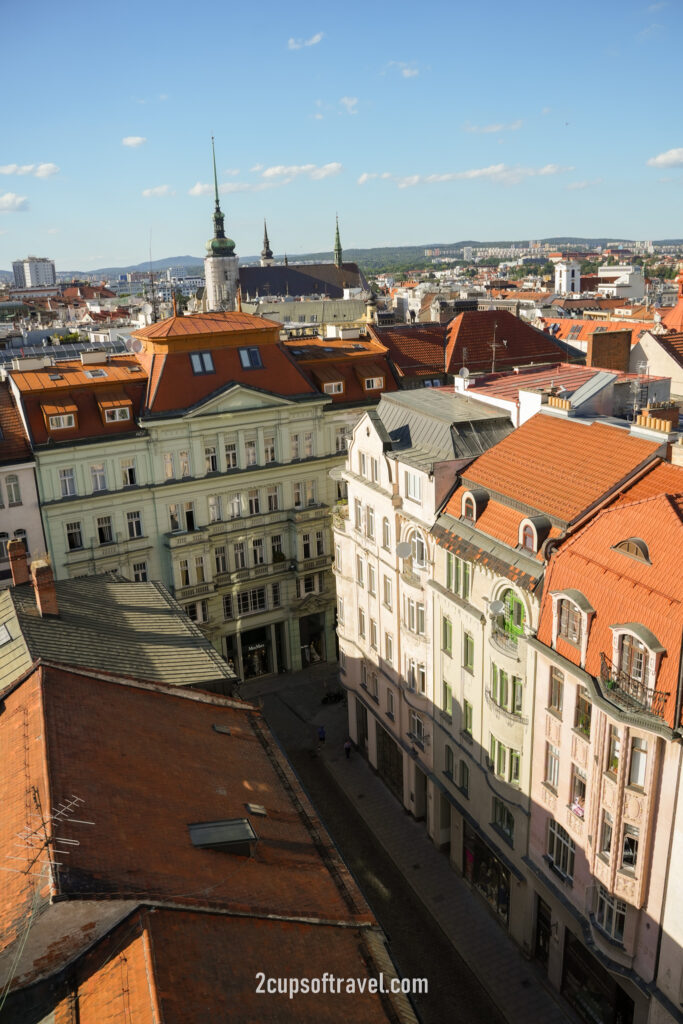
(233, 835)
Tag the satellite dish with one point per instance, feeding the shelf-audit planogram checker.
(335, 473)
(464, 373)
(404, 549)
(496, 607)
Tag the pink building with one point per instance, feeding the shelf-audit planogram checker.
(607, 757)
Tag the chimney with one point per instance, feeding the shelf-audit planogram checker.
(609, 350)
(44, 587)
(16, 549)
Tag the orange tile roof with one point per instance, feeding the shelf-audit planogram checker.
(663, 479)
(416, 350)
(470, 336)
(557, 466)
(568, 376)
(672, 345)
(73, 373)
(199, 324)
(14, 446)
(624, 589)
(673, 318)
(572, 329)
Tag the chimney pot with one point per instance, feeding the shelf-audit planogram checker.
(44, 588)
(16, 549)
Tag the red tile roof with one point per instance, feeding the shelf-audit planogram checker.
(573, 329)
(14, 446)
(416, 350)
(663, 479)
(624, 589)
(672, 345)
(560, 467)
(673, 318)
(567, 376)
(348, 360)
(206, 323)
(470, 337)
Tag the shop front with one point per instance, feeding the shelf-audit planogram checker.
(486, 873)
(312, 637)
(590, 989)
(262, 651)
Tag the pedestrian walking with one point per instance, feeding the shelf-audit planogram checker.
(321, 734)
(347, 749)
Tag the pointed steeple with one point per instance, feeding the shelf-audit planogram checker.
(219, 245)
(266, 251)
(337, 247)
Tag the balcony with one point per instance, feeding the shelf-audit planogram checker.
(504, 642)
(630, 693)
(199, 590)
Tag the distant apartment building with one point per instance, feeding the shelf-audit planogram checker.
(621, 282)
(34, 272)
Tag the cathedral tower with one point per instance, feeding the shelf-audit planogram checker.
(221, 266)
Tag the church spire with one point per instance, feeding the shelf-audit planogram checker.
(337, 247)
(219, 245)
(266, 251)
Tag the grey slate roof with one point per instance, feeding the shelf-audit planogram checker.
(592, 387)
(427, 426)
(109, 624)
(301, 279)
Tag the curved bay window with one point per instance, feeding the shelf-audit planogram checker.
(508, 627)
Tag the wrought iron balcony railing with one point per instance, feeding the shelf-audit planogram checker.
(632, 693)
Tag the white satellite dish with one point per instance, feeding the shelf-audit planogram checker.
(335, 473)
(464, 373)
(496, 607)
(404, 549)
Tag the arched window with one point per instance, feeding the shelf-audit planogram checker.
(528, 538)
(13, 492)
(469, 509)
(635, 547)
(419, 551)
(510, 623)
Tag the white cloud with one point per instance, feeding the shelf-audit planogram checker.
(232, 172)
(133, 141)
(578, 186)
(298, 44)
(410, 72)
(326, 171)
(671, 158)
(366, 176)
(490, 129)
(10, 202)
(350, 103)
(406, 70)
(37, 170)
(158, 190)
(256, 167)
(309, 170)
(200, 189)
(499, 173)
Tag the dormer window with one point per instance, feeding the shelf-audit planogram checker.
(64, 422)
(250, 358)
(569, 622)
(335, 387)
(533, 531)
(632, 669)
(528, 538)
(635, 548)
(202, 362)
(633, 658)
(373, 383)
(469, 511)
(115, 415)
(473, 503)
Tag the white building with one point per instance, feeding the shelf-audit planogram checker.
(34, 272)
(621, 282)
(568, 277)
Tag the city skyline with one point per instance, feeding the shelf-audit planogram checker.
(412, 131)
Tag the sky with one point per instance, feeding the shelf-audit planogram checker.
(417, 124)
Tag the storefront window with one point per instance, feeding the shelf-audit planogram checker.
(487, 873)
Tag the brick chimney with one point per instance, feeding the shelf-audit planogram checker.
(16, 549)
(609, 350)
(44, 587)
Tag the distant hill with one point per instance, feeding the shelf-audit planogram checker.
(367, 258)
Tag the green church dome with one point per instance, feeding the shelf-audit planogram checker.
(221, 247)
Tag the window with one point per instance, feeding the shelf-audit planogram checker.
(498, 755)
(358, 514)
(105, 534)
(446, 636)
(503, 819)
(613, 750)
(174, 517)
(254, 499)
(636, 774)
(370, 523)
(184, 460)
(250, 451)
(458, 576)
(169, 470)
(188, 512)
(464, 778)
(552, 765)
(374, 470)
(276, 552)
(340, 610)
(231, 455)
(416, 727)
(373, 634)
(582, 714)
(449, 761)
(296, 446)
(235, 503)
(341, 437)
(360, 577)
(338, 557)
(275, 595)
(447, 699)
(250, 359)
(335, 387)
(240, 555)
(220, 559)
(469, 510)
(468, 652)
(418, 550)
(200, 575)
(64, 422)
(269, 448)
(227, 606)
(467, 718)
(371, 580)
(304, 493)
(633, 658)
(390, 702)
(577, 798)
(500, 687)
(308, 445)
(140, 572)
(67, 482)
(611, 914)
(134, 521)
(273, 495)
(569, 622)
(201, 362)
(517, 695)
(128, 472)
(387, 595)
(389, 648)
(556, 692)
(413, 486)
(513, 616)
(606, 834)
(122, 412)
(361, 623)
(374, 383)
(528, 538)
(13, 492)
(74, 537)
(386, 534)
(257, 551)
(515, 758)
(198, 611)
(214, 508)
(560, 850)
(210, 459)
(251, 600)
(4, 541)
(629, 852)
(421, 679)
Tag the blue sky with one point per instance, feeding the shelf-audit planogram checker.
(418, 124)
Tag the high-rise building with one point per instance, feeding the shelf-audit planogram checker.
(34, 272)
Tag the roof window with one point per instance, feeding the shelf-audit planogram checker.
(97, 372)
(64, 422)
(334, 387)
(250, 359)
(232, 835)
(202, 362)
(635, 547)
